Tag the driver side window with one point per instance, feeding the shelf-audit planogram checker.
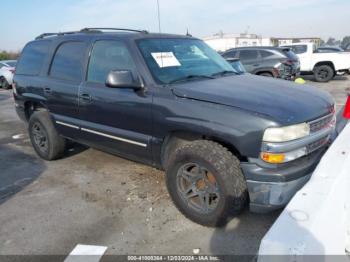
(108, 55)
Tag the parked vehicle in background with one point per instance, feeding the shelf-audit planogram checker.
(172, 102)
(237, 65)
(324, 66)
(329, 49)
(7, 70)
(266, 61)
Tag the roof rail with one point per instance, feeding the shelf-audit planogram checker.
(91, 29)
(55, 34)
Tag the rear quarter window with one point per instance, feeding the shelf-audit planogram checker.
(32, 58)
(268, 54)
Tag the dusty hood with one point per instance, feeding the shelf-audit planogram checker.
(285, 102)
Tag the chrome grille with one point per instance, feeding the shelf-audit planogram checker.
(321, 123)
(317, 144)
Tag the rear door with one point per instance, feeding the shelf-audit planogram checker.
(250, 59)
(62, 86)
(115, 119)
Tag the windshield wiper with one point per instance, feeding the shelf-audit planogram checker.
(190, 77)
(225, 72)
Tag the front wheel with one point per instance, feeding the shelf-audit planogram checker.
(323, 73)
(206, 183)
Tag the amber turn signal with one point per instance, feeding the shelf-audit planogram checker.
(273, 158)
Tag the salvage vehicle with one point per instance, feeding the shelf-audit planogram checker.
(324, 66)
(267, 61)
(7, 70)
(224, 139)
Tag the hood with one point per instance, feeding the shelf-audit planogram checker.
(283, 101)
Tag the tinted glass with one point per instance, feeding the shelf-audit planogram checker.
(230, 54)
(107, 56)
(68, 61)
(329, 49)
(245, 55)
(267, 54)
(32, 58)
(298, 49)
(171, 60)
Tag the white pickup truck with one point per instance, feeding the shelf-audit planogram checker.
(324, 66)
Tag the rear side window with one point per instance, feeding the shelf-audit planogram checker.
(33, 58)
(230, 54)
(298, 49)
(248, 55)
(67, 63)
(267, 54)
(108, 55)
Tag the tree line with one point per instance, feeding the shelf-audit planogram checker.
(4, 55)
(344, 43)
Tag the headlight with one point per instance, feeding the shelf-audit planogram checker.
(288, 133)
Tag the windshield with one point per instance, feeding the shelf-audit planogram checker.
(171, 60)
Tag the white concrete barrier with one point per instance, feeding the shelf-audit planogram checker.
(316, 221)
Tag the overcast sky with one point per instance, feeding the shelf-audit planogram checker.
(22, 20)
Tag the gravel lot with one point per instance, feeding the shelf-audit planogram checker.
(91, 197)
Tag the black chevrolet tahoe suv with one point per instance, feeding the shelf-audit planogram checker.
(224, 138)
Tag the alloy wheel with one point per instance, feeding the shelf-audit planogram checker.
(198, 188)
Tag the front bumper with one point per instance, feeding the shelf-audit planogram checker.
(268, 196)
(271, 188)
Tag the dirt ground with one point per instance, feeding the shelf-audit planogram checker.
(90, 197)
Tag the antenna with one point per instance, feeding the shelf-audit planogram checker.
(158, 17)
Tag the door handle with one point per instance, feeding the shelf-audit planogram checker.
(85, 97)
(47, 90)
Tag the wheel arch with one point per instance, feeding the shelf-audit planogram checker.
(329, 63)
(178, 138)
(31, 106)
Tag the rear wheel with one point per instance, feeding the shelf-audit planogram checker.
(206, 183)
(48, 144)
(323, 73)
(4, 84)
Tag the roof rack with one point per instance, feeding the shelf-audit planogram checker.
(92, 29)
(89, 30)
(55, 34)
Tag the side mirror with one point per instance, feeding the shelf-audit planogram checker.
(122, 79)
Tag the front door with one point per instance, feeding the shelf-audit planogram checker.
(114, 119)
